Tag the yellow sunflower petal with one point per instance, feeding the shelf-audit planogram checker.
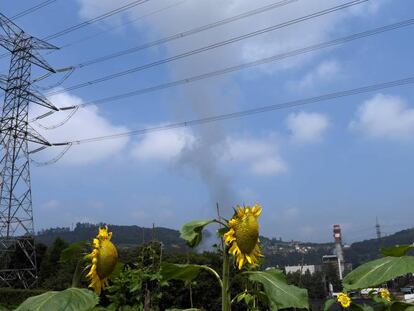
(103, 259)
(243, 236)
(240, 261)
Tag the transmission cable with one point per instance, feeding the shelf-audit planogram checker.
(244, 113)
(32, 9)
(95, 19)
(258, 62)
(91, 21)
(122, 25)
(53, 160)
(185, 33)
(210, 47)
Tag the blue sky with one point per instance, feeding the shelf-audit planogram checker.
(343, 161)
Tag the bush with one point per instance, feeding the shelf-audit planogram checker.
(12, 297)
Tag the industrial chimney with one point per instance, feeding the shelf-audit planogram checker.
(338, 250)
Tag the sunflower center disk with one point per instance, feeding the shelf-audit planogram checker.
(247, 234)
(107, 259)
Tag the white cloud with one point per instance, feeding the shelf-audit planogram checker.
(307, 127)
(197, 13)
(385, 116)
(51, 205)
(163, 145)
(323, 73)
(261, 155)
(87, 122)
(290, 213)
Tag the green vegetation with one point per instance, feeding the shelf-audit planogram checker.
(153, 276)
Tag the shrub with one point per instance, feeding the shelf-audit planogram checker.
(13, 297)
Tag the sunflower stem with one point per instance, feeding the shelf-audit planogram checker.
(221, 223)
(225, 295)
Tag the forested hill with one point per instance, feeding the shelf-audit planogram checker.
(277, 252)
(360, 252)
(123, 236)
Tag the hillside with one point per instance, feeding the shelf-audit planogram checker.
(277, 252)
(123, 236)
(360, 252)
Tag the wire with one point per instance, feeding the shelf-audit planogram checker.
(95, 19)
(90, 21)
(88, 38)
(210, 47)
(262, 61)
(32, 9)
(54, 160)
(66, 76)
(67, 118)
(245, 113)
(185, 33)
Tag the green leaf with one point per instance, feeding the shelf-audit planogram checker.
(222, 231)
(184, 272)
(70, 252)
(192, 309)
(71, 299)
(378, 271)
(365, 307)
(281, 295)
(396, 251)
(401, 306)
(192, 231)
(328, 304)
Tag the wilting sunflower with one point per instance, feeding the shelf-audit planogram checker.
(344, 300)
(243, 235)
(103, 260)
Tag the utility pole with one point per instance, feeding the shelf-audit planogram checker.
(16, 213)
(378, 229)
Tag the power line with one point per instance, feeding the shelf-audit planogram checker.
(245, 113)
(210, 47)
(32, 9)
(95, 19)
(186, 33)
(91, 21)
(110, 29)
(262, 61)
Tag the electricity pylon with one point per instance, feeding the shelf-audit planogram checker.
(17, 247)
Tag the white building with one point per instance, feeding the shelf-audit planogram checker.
(292, 269)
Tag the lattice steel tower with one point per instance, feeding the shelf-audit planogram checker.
(17, 248)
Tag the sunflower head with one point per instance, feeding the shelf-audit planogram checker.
(344, 300)
(243, 235)
(385, 294)
(104, 258)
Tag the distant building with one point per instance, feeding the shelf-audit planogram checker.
(311, 268)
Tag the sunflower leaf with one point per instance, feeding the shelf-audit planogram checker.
(71, 299)
(328, 304)
(401, 306)
(72, 251)
(378, 271)
(192, 231)
(183, 272)
(222, 231)
(281, 295)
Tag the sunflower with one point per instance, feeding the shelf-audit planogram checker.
(344, 300)
(103, 260)
(243, 235)
(385, 294)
